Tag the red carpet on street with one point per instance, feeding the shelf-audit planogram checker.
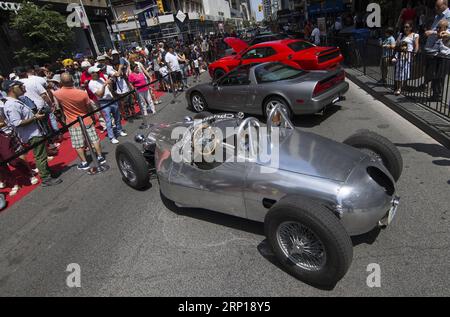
(65, 158)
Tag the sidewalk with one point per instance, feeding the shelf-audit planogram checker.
(434, 124)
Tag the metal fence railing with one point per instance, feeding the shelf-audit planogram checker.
(420, 77)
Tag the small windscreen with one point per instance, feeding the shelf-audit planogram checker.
(276, 72)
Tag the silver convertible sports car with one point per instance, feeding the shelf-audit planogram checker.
(257, 89)
(318, 195)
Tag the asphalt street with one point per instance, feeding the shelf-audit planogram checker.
(128, 243)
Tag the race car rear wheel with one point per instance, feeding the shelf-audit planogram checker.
(309, 241)
(198, 102)
(132, 166)
(381, 149)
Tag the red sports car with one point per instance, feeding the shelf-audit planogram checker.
(295, 53)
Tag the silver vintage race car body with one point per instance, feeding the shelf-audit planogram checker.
(318, 194)
(334, 174)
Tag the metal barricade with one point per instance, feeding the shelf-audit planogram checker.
(422, 78)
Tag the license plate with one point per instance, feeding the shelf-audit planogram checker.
(336, 100)
(393, 210)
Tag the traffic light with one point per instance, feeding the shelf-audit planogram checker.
(260, 8)
(160, 5)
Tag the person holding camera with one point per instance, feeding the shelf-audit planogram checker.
(110, 108)
(26, 125)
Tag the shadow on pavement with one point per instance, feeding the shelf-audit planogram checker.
(310, 121)
(433, 150)
(266, 251)
(300, 121)
(215, 218)
(368, 238)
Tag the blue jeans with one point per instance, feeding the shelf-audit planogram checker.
(184, 70)
(112, 110)
(53, 122)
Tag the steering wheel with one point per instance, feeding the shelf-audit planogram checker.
(204, 140)
(244, 146)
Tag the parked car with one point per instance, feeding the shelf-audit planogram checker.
(297, 53)
(257, 89)
(319, 194)
(267, 38)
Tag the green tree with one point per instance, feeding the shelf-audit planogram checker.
(44, 31)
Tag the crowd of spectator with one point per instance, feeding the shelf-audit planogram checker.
(36, 102)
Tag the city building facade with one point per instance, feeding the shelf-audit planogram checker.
(149, 21)
(97, 12)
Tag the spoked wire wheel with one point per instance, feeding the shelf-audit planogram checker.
(301, 246)
(126, 168)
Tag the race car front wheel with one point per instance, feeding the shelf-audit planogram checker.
(132, 166)
(309, 241)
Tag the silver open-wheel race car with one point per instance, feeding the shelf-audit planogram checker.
(319, 195)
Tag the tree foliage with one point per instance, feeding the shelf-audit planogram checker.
(44, 31)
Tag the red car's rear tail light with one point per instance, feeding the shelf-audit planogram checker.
(328, 83)
(328, 55)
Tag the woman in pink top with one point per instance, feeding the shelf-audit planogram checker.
(138, 81)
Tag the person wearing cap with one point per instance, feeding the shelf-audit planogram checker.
(7, 151)
(74, 103)
(26, 125)
(55, 82)
(84, 84)
(101, 88)
(13, 76)
(115, 58)
(104, 63)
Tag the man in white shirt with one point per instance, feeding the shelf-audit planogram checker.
(174, 66)
(315, 35)
(101, 88)
(36, 88)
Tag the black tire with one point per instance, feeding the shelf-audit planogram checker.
(325, 225)
(219, 73)
(279, 100)
(388, 152)
(198, 95)
(202, 115)
(131, 154)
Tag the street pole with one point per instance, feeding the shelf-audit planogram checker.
(94, 42)
(111, 33)
(306, 11)
(115, 22)
(136, 18)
